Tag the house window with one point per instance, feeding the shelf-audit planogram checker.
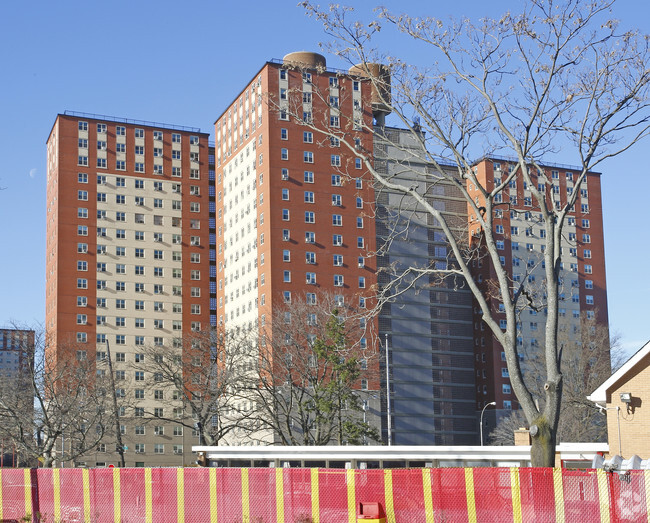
(284, 154)
(308, 157)
(337, 220)
(337, 240)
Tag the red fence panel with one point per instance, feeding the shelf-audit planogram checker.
(408, 494)
(537, 494)
(297, 493)
(493, 494)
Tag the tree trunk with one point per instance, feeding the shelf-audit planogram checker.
(542, 452)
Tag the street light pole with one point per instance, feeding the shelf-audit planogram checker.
(388, 417)
(493, 403)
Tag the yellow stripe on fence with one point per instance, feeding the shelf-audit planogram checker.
(646, 478)
(428, 495)
(279, 494)
(352, 503)
(558, 488)
(56, 484)
(516, 494)
(388, 496)
(469, 490)
(213, 495)
(603, 495)
(180, 494)
(148, 497)
(117, 496)
(245, 508)
(28, 491)
(315, 502)
(85, 475)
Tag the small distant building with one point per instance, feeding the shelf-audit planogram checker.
(16, 360)
(625, 397)
(16, 351)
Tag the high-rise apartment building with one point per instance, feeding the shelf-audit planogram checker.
(295, 208)
(521, 237)
(428, 326)
(128, 263)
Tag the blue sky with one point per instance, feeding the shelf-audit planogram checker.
(182, 64)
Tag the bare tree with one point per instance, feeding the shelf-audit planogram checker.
(55, 409)
(558, 76)
(199, 380)
(313, 381)
(589, 357)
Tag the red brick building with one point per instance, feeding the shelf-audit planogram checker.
(127, 251)
(520, 236)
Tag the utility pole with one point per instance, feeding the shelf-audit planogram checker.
(389, 428)
(116, 410)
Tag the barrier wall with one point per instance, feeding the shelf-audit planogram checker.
(232, 495)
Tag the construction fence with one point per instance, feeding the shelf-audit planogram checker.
(264, 495)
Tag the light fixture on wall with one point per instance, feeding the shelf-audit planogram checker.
(626, 397)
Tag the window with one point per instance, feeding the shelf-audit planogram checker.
(360, 242)
(286, 255)
(286, 276)
(589, 299)
(362, 282)
(284, 154)
(335, 160)
(588, 269)
(307, 137)
(308, 157)
(82, 196)
(337, 240)
(309, 177)
(310, 258)
(310, 278)
(338, 280)
(310, 217)
(337, 220)
(310, 237)
(309, 197)
(336, 180)
(359, 222)
(82, 266)
(587, 253)
(336, 200)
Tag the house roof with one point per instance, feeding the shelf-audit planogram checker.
(599, 396)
